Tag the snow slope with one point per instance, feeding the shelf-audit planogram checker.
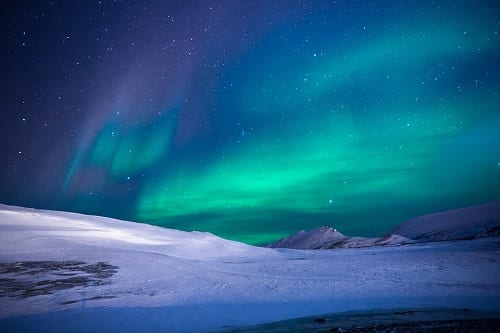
(327, 238)
(69, 272)
(463, 223)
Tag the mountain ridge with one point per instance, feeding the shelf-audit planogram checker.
(326, 237)
(456, 224)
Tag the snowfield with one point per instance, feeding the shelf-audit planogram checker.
(69, 272)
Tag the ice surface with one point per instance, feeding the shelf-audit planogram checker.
(70, 272)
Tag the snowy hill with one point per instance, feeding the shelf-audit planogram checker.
(63, 272)
(84, 230)
(464, 223)
(327, 238)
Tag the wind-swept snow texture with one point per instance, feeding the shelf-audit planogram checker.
(463, 223)
(70, 272)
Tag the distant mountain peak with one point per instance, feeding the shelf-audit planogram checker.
(313, 239)
(326, 237)
(463, 223)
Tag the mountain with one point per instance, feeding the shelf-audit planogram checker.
(463, 223)
(326, 237)
(314, 239)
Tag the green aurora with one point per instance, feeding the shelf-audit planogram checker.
(397, 131)
(255, 119)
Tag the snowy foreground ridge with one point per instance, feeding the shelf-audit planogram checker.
(70, 272)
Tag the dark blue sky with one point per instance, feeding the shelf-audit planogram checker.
(251, 119)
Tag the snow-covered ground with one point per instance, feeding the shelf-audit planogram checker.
(69, 272)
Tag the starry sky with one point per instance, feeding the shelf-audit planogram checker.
(251, 119)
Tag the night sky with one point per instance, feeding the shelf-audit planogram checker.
(251, 119)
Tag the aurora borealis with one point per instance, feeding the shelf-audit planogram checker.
(251, 120)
